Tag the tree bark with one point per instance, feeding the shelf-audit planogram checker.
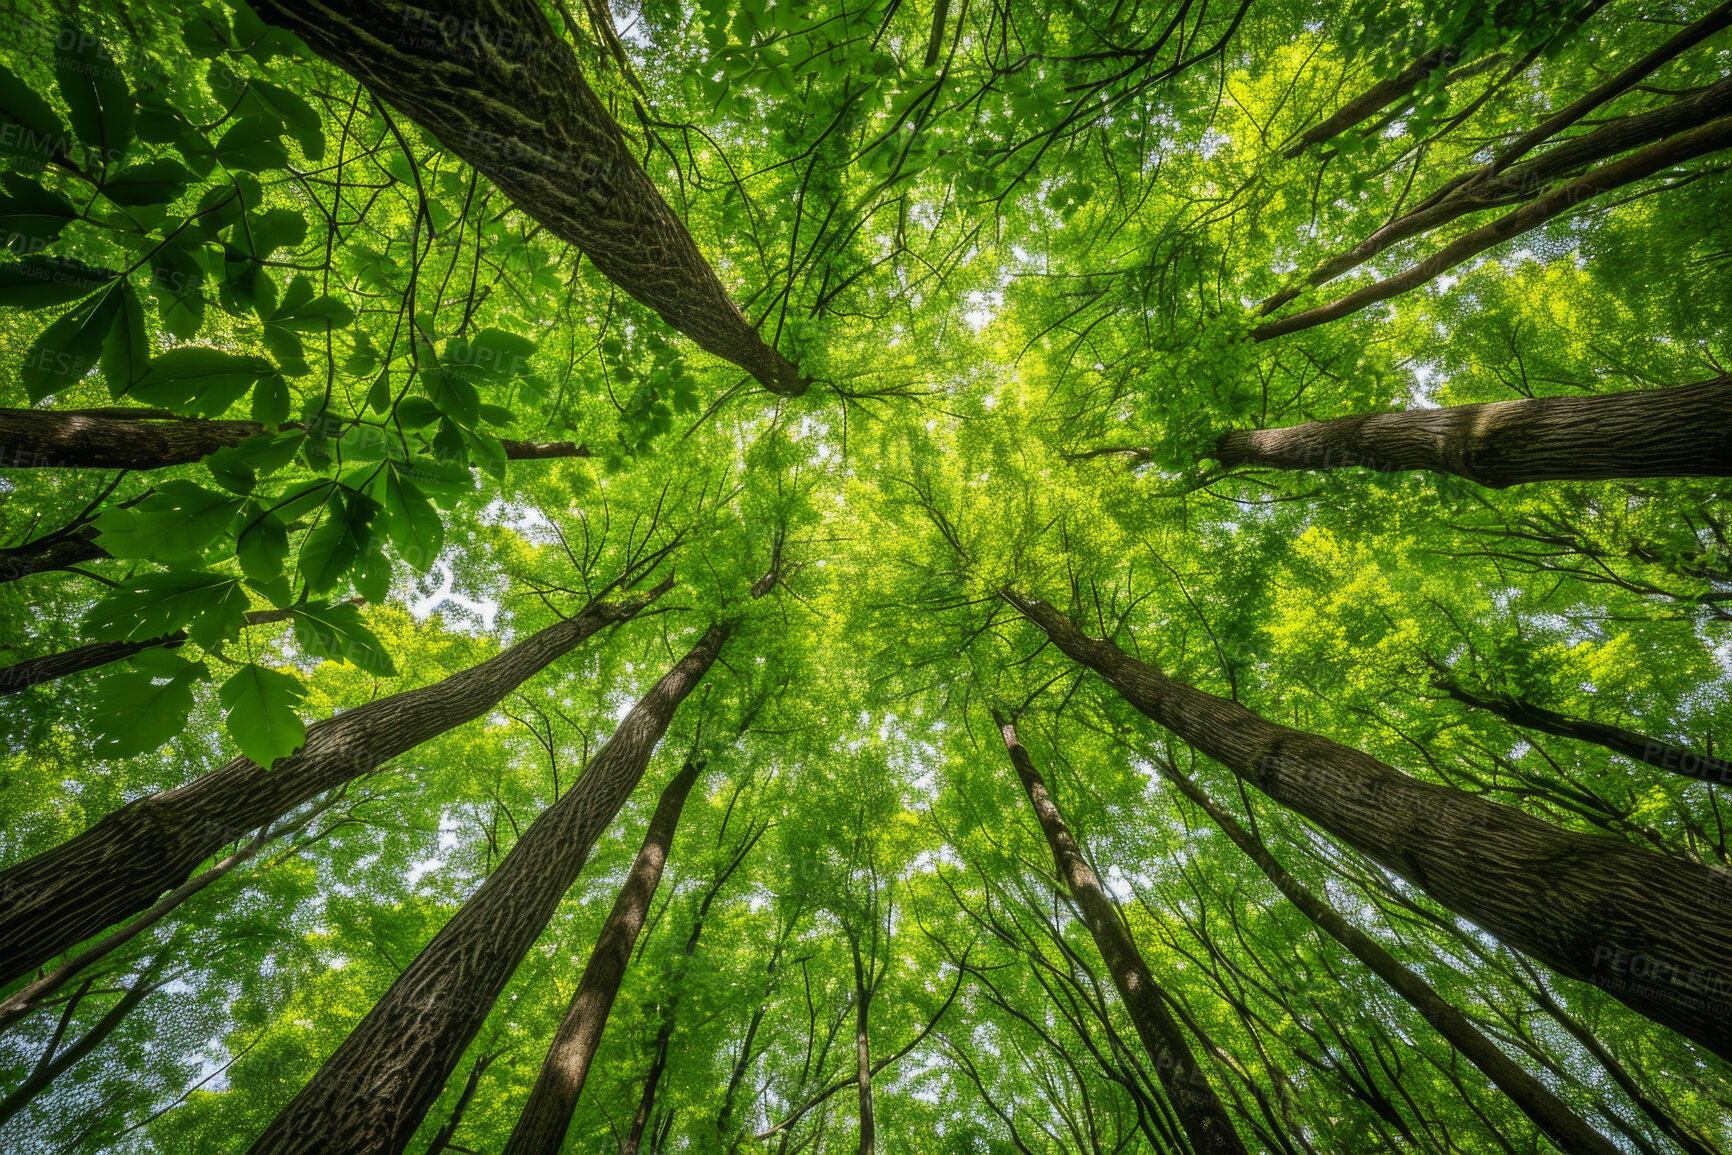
(55, 551)
(1680, 760)
(20, 676)
(442, 1141)
(112, 438)
(1374, 99)
(1199, 1109)
(1568, 1130)
(863, 1058)
(371, 1094)
(1652, 930)
(1682, 431)
(118, 867)
(547, 1114)
(141, 439)
(497, 87)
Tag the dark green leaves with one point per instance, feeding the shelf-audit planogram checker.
(30, 215)
(29, 129)
(202, 381)
(177, 522)
(61, 357)
(44, 281)
(343, 537)
(95, 92)
(211, 607)
(259, 706)
(138, 710)
(336, 632)
(154, 182)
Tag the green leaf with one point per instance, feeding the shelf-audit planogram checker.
(273, 100)
(29, 129)
(154, 182)
(180, 520)
(412, 523)
(271, 400)
(134, 713)
(259, 708)
(251, 145)
(199, 380)
(41, 282)
(126, 349)
(342, 536)
(492, 353)
(66, 352)
(336, 632)
(95, 92)
(263, 546)
(454, 397)
(30, 215)
(154, 604)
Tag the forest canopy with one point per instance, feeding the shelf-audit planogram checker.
(956, 576)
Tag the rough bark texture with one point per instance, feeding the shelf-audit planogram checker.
(497, 87)
(541, 450)
(1679, 760)
(119, 866)
(863, 1059)
(547, 1114)
(1563, 1126)
(372, 1092)
(112, 438)
(1199, 1109)
(1683, 431)
(1652, 930)
(56, 551)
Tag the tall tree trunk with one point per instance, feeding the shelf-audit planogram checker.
(112, 438)
(1563, 1126)
(118, 867)
(372, 1092)
(442, 1141)
(56, 551)
(1649, 929)
(1679, 760)
(1375, 99)
(497, 87)
(646, 1102)
(156, 439)
(1683, 431)
(1200, 1111)
(863, 1058)
(20, 676)
(547, 1114)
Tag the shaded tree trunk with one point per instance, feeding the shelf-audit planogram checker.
(1680, 760)
(117, 868)
(1683, 431)
(547, 1115)
(1650, 929)
(371, 1094)
(863, 1058)
(646, 1102)
(442, 1141)
(56, 551)
(1564, 1127)
(20, 676)
(1200, 1111)
(112, 438)
(497, 87)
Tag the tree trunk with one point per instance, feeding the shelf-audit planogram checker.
(442, 1141)
(1679, 760)
(20, 676)
(547, 1114)
(1652, 930)
(863, 1059)
(371, 1094)
(497, 87)
(118, 867)
(1683, 431)
(112, 438)
(56, 551)
(1375, 99)
(1563, 1126)
(1199, 1109)
(652, 1082)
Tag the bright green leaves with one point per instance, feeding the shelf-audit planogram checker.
(411, 522)
(651, 381)
(138, 710)
(201, 380)
(210, 607)
(343, 541)
(102, 109)
(177, 522)
(336, 632)
(259, 707)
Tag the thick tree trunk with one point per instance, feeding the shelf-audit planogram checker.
(112, 438)
(1563, 1126)
(547, 1114)
(371, 1094)
(20, 676)
(119, 866)
(497, 87)
(1679, 760)
(56, 551)
(1683, 431)
(1650, 929)
(1199, 1109)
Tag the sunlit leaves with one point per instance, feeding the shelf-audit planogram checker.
(259, 706)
